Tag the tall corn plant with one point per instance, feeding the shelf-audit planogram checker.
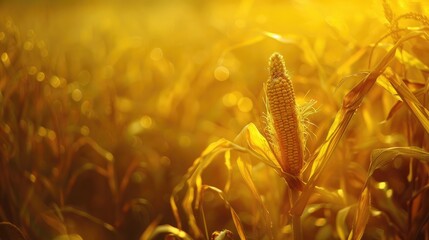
(282, 145)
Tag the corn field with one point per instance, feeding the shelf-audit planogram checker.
(215, 120)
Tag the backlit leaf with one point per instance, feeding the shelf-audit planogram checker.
(234, 215)
(385, 156)
(162, 229)
(351, 103)
(408, 97)
(410, 60)
(237, 224)
(192, 180)
(362, 216)
(258, 146)
(341, 225)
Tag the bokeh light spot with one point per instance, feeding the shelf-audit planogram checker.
(221, 73)
(156, 54)
(320, 222)
(389, 193)
(245, 104)
(7, 129)
(86, 107)
(146, 122)
(51, 135)
(382, 185)
(42, 131)
(32, 70)
(231, 99)
(55, 82)
(77, 95)
(5, 59)
(28, 45)
(138, 177)
(40, 76)
(109, 156)
(84, 130)
(311, 209)
(32, 178)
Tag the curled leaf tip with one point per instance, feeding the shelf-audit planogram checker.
(277, 66)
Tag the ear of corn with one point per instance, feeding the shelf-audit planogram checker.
(285, 126)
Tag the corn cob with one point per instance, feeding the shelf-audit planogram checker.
(287, 128)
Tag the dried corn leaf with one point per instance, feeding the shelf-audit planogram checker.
(362, 216)
(408, 97)
(385, 83)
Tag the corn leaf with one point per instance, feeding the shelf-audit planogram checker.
(385, 83)
(54, 221)
(249, 141)
(379, 159)
(237, 224)
(351, 104)
(341, 225)
(245, 171)
(407, 59)
(385, 156)
(235, 217)
(258, 146)
(228, 166)
(408, 97)
(330, 196)
(9, 231)
(192, 180)
(362, 216)
(410, 60)
(166, 229)
(245, 168)
(88, 216)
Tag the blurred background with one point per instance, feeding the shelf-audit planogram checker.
(106, 104)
